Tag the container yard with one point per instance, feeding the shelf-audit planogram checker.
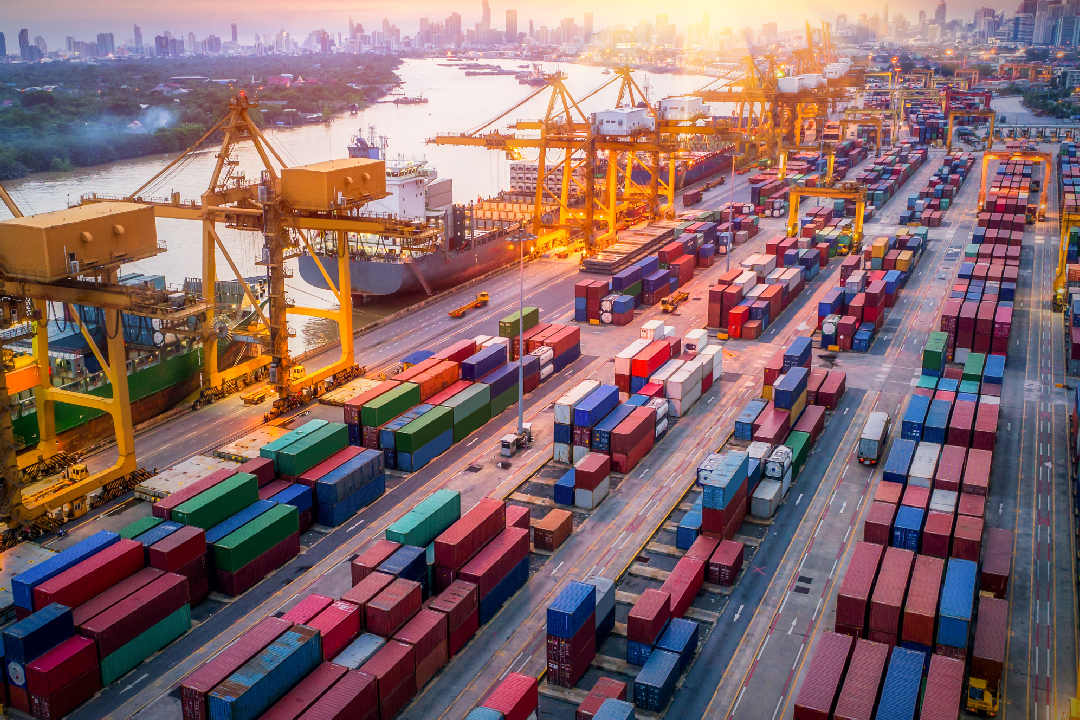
(760, 458)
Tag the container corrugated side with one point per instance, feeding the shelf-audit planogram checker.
(900, 691)
(944, 689)
(821, 683)
(858, 696)
(991, 636)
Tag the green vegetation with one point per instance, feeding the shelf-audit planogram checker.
(61, 115)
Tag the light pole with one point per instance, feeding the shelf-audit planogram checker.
(521, 331)
(731, 214)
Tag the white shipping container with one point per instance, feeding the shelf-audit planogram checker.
(681, 384)
(577, 452)
(546, 371)
(661, 427)
(622, 360)
(696, 368)
(668, 332)
(649, 331)
(605, 596)
(606, 317)
(785, 484)
(665, 372)
(748, 263)
(741, 236)
(680, 406)
(562, 453)
(764, 265)
(775, 277)
(755, 292)
(695, 340)
(716, 352)
(607, 302)
(479, 340)
(924, 464)
(766, 499)
(505, 342)
(564, 406)
(759, 450)
(944, 501)
(589, 499)
(989, 400)
(545, 354)
(779, 462)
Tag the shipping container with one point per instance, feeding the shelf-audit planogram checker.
(859, 694)
(821, 684)
(957, 600)
(991, 636)
(900, 691)
(886, 604)
(852, 601)
(944, 689)
(267, 677)
(23, 584)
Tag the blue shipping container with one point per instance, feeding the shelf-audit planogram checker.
(615, 709)
(408, 562)
(411, 462)
(900, 691)
(744, 423)
(937, 422)
(957, 600)
(387, 440)
(490, 603)
(564, 488)
(569, 611)
(159, 533)
(237, 521)
(347, 478)
(23, 584)
(899, 460)
(502, 378)
(262, 681)
(907, 528)
(798, 353)
(656, 681)
(482, 363)
(681, 638)
(299, 496)
(601, 434)
(596, 406)
(37, 634)
(911, 428)
(338, 513)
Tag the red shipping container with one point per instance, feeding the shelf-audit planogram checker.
(137, 613)
(832, 390)
(114, 595)
(852, 602)
(604, 688)
(54, 707)
(625, 462)
(997, 563)
(461, 635)
(639, 425)
(889, 590)
(812, 421)
(877, 527)
(340, 625)
(458, 602)
(564, 340)
(973, 505)
(426, 667)
(262, 468)
(960, 423)
(197, 573)
(247, 577)
(725, 563)
(425, 632)
(702, 549)
(888, 493)
(304, 611)
(92, 576)
(860, 691)
(977, 472)
(195, 687)
(821, 685)
(353, 405)
(649, 360)
(162, 508)
(51, 672)
(561, 652)
(516, 697)
(329, 464)
(497, 559)
(683, 584)
(591, 470)
(567, 675)
(991, 635)
(313, 687)
(937, 533)
(393, 666)
(272, 488)
(916, 497)
(920, 610)
(366, 562)
(944, 689)
(365, 591)
(986, 422)
(517, 516)
(967, 538)
(476, 528)
(950, 468)
(648, 616)
(388, 611)
(461, 350)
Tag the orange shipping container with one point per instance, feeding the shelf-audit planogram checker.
(437, 379)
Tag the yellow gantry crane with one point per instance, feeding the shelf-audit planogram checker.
(846, 191)
(953, 114)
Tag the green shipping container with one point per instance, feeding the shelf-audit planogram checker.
(634, 289)
(799, 442)
(271, 449)
(471, 424)
(969, 386)
(390, 404)
(128, 657)
(424, 429)
(508, 326)
(219, 503)
(420, 526)
(137, 528)
(973, 367)
(238, 548)
(468, 401)
(927, 382)
(309, 451)
(504, 401)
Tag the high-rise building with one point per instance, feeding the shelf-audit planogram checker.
(161, 46)
(485, 18)
(453, 30)
(39, 42)
(3, 47)
(138, 39)
(233, 26)
(885, 14)
(24, 44)
(106, 44)
(588, 32)
(768, 30)
(1066, 31)
(939, 14)
(511, 27)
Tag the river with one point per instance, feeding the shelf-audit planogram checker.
(456, 103)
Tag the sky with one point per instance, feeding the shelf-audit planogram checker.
(83, 19)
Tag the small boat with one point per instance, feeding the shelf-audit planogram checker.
(403, 100)
(607, 71)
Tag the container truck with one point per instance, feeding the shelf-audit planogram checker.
(874, 436)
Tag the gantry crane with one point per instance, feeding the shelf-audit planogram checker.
(953, 114)
(828, 149)
(1031, 155)
(846, 191)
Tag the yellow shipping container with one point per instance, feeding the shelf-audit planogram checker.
(880, 247)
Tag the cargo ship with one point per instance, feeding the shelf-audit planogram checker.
(699, 166)
(467, 244)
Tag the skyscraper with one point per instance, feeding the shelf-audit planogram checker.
(3, 47)
(106, 44)
(138, 39)
(234, 32)
(588, 27)
(511, 26)
(485, 18)
(453, 29)
(24, 44)
(939, 14)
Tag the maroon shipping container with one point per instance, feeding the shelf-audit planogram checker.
(329, 464)
(517, 516)
(247, 577)
(496, 559)
(426, 667)
(604, 688)
(458, 602)
(425, 632)
(388, 611)
(944, 689)
(639, 425)
(516, 697)
(916, 497)
(136, 613)
(852, 602)
(977, 472)
(877, 527)
(195, 687)
(461, 635)
(50, 673)
(353, 405)
(304, 611)
(353, 697)
(115, 594)
(683, 584)
(591, 470)
(476, 528)
(561, 652)
(461, 350)
(888, 599)
(986, 423)
(973, 505)
(703, 548)
(821, 684)
(997, 562)
(92, 576)
(888, 492)
(725, 563)
(311, 688)
(937, 534)
(394, 667)
(365, 591)
(960, 423)
(164, 507)
(920, 610)
(178, 549)
(648, 616)
(991, 633)
(56, 706)
(832, 390)
(773, 426)
(568, 674)
(366, 562)
(197, 573)
(339, 625)
(967, 538)
(262, 468)
(812, 421)
(626, 462)
(860, 691)
(950, 468)
(564, 340)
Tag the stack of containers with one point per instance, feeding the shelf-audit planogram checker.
(853, 600)
(394, 668)
(591, 480)
(356, 483)
(499, 569)
(27, 642)
(249, 553)
(818, 694)
(589, 411)
(571, 633)
(564, 450)
(459, 543)
(460, 602)
(632, 439)
(645, 624)
(724, 497)
(588, 295)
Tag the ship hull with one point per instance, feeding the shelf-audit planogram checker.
(690, 173)
(442, 271)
